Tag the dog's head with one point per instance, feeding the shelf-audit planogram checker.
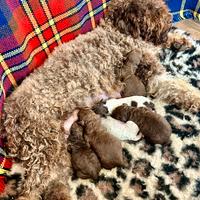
(148, 19)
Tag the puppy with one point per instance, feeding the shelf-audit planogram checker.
(153, 126)
(123, 131)
(100, 109)
(141, 101)
(107, 147)
(84, 161)
(132, 84)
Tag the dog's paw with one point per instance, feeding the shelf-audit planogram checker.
(56, 191)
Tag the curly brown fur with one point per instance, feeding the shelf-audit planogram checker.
(131, 63)
(56, 191)
(80, 73)
(106, 146)
(34, 110)
(148, 68)
(177, 42)
(147, 19)
(175, 91)
(133, 86)
(153, 126)
(84, 161)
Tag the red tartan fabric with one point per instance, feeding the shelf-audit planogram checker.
(30, 29)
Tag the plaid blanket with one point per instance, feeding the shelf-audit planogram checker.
(29, 31)
(184, 9)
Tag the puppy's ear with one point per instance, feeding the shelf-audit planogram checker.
(124, 117)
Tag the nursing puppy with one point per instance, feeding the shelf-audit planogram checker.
(107, 147)
(132, 84)
(121, 130)
(141, 101)
(84, 161)
(153, 126)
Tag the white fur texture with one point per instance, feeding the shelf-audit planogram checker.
(123, 131)
(111, 104)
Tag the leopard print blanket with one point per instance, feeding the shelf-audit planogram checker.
(155, 172)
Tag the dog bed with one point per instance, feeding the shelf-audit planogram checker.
(156, 172)
(178, 162)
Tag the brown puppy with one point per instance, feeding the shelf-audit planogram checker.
(107, 147)
(153, 126)
(133, 86)
(84, 161)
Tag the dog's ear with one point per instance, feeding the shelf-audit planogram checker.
(123, 17)
(150, 20)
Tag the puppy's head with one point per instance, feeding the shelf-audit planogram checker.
(100, 109)
(76, 130)
(76, 139)
(150, 19)
(121, 113)
(86, 115)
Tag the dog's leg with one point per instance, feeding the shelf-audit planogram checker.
(175, 91)
(103, 97)
(161, 85)
(177, 41)
(56, 191)
(29, 197)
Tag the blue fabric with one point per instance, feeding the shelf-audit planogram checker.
(184, 9)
